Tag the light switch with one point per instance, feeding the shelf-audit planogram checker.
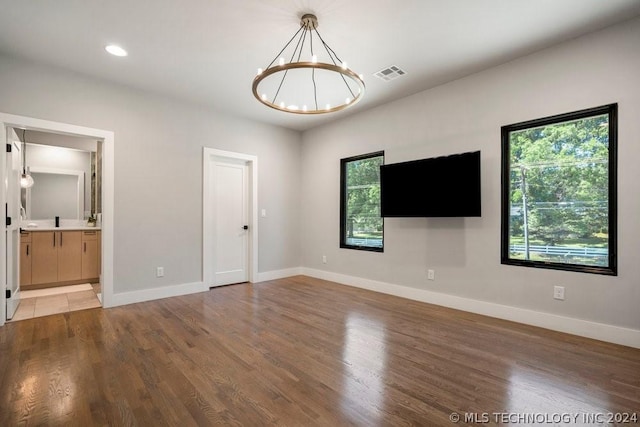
(263, 213)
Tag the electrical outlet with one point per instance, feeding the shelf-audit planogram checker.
(160, 272)
(558, 292)
(324, 259)
(431, 274)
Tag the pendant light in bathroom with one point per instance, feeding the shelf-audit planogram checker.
(26, 180)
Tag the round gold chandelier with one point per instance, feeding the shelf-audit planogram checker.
(311, 86)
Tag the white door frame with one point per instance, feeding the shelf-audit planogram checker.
(13, 162)
(29, 123)
(210, 155)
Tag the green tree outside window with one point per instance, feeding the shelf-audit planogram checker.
(361, 223)
(560, 191)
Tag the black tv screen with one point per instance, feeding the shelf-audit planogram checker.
(437, 187)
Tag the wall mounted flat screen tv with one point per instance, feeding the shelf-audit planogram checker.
(446, 186)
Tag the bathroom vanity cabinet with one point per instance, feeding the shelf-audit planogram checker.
(54, 258)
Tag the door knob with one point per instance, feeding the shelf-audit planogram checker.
(245, 227)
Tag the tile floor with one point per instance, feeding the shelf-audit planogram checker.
(54, 304)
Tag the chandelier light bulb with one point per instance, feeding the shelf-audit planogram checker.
(328, 106)
(259, 71)
(304, 108)
(281, 61)
(314, 59)
(344, 65)
(347, 101)
(282, 104)
(361, 76)
(264, 96)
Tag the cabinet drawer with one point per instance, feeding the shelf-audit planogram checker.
(89, 235)
(25, 237)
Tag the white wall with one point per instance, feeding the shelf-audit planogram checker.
(466, 115)
(158, 169)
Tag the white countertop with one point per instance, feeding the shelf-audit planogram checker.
(49, 225)
(68, 228)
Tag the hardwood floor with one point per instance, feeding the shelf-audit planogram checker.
(301, 351)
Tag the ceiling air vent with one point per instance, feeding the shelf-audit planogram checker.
(390, 73)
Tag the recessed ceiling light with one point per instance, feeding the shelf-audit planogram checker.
(115, 50)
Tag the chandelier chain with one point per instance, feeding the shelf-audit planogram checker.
(313, 72)
(304, 38)
(284, 76)
(330, 51)
(283, 49)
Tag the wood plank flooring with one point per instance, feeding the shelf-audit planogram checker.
(301, 352)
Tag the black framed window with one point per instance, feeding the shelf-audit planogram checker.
(361, 226)
(559, 192)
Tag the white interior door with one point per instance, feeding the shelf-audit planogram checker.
(12, 174)
(231, 221)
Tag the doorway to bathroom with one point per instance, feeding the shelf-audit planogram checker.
(60, 220)
(59, 232)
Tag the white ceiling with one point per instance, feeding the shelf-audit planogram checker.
(207, 51)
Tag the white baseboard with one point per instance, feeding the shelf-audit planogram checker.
(278, 274)
(143, 295)
(570, 325)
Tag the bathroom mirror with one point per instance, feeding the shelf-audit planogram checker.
(58, 192)
(67, 177)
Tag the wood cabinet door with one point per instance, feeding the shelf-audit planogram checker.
(90, 259)
(44, 260)
(69, 255)
(25, 263)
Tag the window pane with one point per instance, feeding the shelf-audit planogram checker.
(559, 193)
(363, 226)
